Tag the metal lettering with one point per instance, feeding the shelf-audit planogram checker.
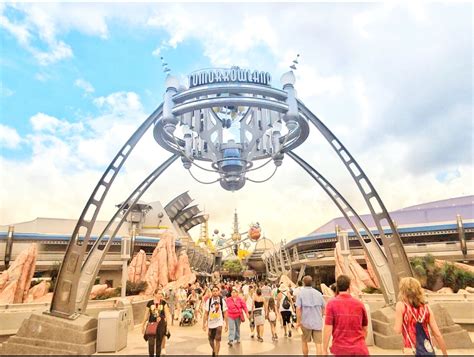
(195, 78)
(255, 77)
(234, 74)
(249, 75)
(226, 75)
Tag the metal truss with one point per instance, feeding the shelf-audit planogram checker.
(397, 259)
(63, 303)
(371, 246)
(96, 255)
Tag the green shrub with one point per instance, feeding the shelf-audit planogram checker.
(430, 275)
(135, 288)
(232, 266)
(370, 290)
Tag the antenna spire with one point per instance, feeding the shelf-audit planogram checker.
(164, 65)
(295, 62)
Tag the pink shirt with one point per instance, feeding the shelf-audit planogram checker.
(234, 308)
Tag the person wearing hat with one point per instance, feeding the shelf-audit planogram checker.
(236, 311)
(285, 303)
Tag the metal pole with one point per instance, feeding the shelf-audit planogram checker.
(125, 255)
(124, 278)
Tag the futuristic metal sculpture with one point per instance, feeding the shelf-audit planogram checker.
(225, 122)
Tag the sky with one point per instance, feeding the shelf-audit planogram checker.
(393, 81)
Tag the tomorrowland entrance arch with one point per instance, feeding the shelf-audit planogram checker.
(235, 121)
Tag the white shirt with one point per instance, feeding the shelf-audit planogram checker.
(245, 290)
(216, 316)
(296, 291)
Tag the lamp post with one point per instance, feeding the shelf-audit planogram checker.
(125, 256)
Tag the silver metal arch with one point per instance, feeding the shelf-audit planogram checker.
(393, 247)
(96, 255)
(64, 296)
(63, 303)
(371, 246)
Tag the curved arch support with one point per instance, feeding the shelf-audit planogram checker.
(97, 254)
(65, 291)
(393, 246)
(370, 245)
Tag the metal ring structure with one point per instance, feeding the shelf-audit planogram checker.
(192, 100)
(393, 246)
(63, 303)
(370, 245)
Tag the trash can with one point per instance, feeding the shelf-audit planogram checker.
(112, 330)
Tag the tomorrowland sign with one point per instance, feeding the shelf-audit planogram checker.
(223, 75)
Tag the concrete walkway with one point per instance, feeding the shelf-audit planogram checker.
(192, 340)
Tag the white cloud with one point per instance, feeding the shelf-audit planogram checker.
(391, 81)
(9, 137)
(157, 52)
(84, 85)
(37, 23)
(45, 123)
(58, 51)
(119, 102)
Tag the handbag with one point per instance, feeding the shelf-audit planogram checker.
(242, 316)
(151, 329)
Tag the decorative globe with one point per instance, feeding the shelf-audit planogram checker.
(254, 233)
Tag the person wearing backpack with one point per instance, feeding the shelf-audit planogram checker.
(272, 317)
(284, 301)
(414, 320)
(215, 316)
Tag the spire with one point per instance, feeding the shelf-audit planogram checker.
(235, 233)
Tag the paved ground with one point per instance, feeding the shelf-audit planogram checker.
(193, 341)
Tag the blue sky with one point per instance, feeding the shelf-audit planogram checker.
(393, 81)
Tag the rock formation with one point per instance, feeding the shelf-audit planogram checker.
(165, 266)
(183, 267)
(170, 241)
(440, 263)
(284, 279)
(371, 271)
(183, 281)
(360, 278)
(15, 282)
(38, 291)
(97, 290)
(138, 267)
(326, 290)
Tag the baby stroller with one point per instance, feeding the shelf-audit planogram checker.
(187, 316)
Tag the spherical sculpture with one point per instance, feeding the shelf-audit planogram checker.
(254, 232)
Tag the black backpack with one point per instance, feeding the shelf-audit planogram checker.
(422, 345)
(286, 303)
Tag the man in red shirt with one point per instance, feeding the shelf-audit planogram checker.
(346, 320)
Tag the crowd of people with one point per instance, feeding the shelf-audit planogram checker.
(338, 326)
